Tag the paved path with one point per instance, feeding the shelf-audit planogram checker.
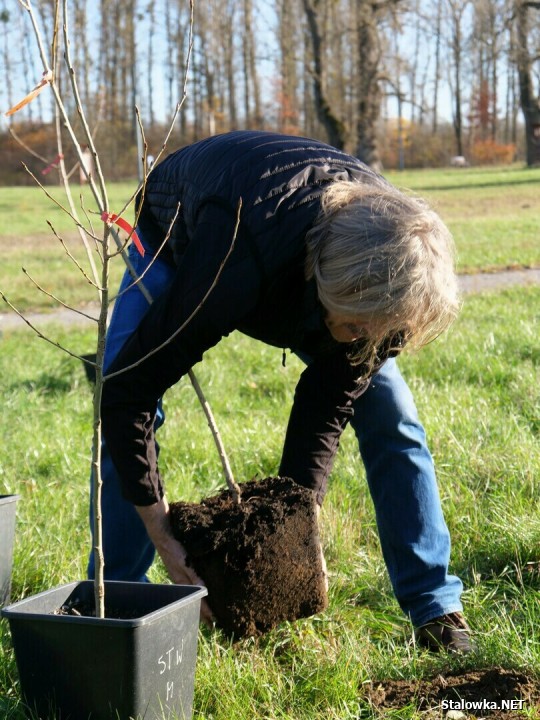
(469, 284)
(495, 281)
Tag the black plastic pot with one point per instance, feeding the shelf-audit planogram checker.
(86, 668)
(8, 504)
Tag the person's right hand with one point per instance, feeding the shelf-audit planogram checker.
(156, 520)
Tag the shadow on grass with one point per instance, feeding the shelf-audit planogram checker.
(46, 384)
(466, 185)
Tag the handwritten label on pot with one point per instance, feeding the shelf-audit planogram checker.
(167, 662)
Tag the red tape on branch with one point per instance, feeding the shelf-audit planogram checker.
(53, 165)
(110, 218)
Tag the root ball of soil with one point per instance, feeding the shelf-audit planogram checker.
(260, 559)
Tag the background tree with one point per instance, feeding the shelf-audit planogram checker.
(456, 10)
(252, 92)
(529, 96)
(370, 15)
(437, 74)
(512, 92)
(5, 22)
(334, 127)
(289, 43)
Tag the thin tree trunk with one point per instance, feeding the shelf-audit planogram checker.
(457, 8)
(334, 127)
(252, 94)
(369, 90)
(529, 103)
(288, 42)
(151, 13)
(434, 125)
(6, 24)
(230, 65)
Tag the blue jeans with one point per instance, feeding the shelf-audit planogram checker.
(401, 477)
(399, 468)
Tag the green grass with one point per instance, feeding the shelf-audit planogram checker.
(477, 390)
(492, 212)
(26, 211)
(28, 241)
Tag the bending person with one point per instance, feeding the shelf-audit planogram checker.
(330, 261)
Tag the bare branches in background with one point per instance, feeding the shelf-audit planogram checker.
(341, 71)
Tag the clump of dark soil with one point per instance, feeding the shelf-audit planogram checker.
(478, 693)
(260, 559)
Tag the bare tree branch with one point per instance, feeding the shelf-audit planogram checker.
(67, 190)
(27, 147)
(55, 298)
(39, 333)
(74, 259)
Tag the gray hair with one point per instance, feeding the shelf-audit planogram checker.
(386, 258)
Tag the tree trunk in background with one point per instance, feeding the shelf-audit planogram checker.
(223, 62)
(176, 21)
(252, 93)
(530, 105)
(334, 127)
(204, 82)
(170, 68)
(308, 103)
(46, 15)
(437, 74)
(457, 9)
(369, 89)
(151, 13)
(5, 24)
(132, 99)
(28, 79)
(512, 102)
(479, 101)
(289, 43)
(494, 50)
(414, 65)
(82, 56)
(337, 55)
(230, 64)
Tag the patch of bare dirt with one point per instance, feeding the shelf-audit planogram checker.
(494, 693)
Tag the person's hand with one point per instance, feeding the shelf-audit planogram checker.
(156, 520)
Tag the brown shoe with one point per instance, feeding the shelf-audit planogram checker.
(448, 632)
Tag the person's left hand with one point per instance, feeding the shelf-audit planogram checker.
(156, 521)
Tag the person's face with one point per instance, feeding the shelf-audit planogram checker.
(346, 328)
